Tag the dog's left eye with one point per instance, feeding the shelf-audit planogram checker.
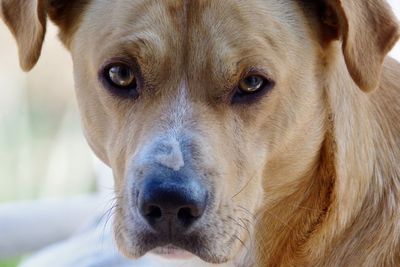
(251, 88)
(251, 84)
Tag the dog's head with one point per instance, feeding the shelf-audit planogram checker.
(204, 109)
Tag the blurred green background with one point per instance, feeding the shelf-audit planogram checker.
(10, 263)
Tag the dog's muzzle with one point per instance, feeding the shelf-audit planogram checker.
(170, 198)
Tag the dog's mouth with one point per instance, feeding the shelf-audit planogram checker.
(180, 246)
(172, 252)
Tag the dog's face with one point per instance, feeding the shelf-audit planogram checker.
(192, 96)
(205, 110)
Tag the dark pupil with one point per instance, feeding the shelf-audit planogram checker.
(121, 75)
(253, 81)
(124, 73)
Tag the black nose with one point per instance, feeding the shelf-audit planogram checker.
(171, 204)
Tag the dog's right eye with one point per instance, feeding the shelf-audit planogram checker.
(121, 76)
(120, 79)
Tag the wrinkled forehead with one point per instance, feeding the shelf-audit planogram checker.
(198, 36)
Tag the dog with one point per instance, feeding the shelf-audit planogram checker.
(256, 133)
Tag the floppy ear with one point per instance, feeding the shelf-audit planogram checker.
(369, 30)
(27, 21)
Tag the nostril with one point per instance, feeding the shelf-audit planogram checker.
(187, 215)
(153, 212)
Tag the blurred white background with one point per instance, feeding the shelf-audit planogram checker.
(396, 7)
(43, 154)
(42, 150)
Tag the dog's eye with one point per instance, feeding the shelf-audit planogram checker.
(251, 84)
(251, 88)
(120, 79)
(121, 76)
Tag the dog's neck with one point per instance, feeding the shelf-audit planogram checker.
(365, 179)
(317, 222)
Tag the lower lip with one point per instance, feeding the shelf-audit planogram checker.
(172, 253)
